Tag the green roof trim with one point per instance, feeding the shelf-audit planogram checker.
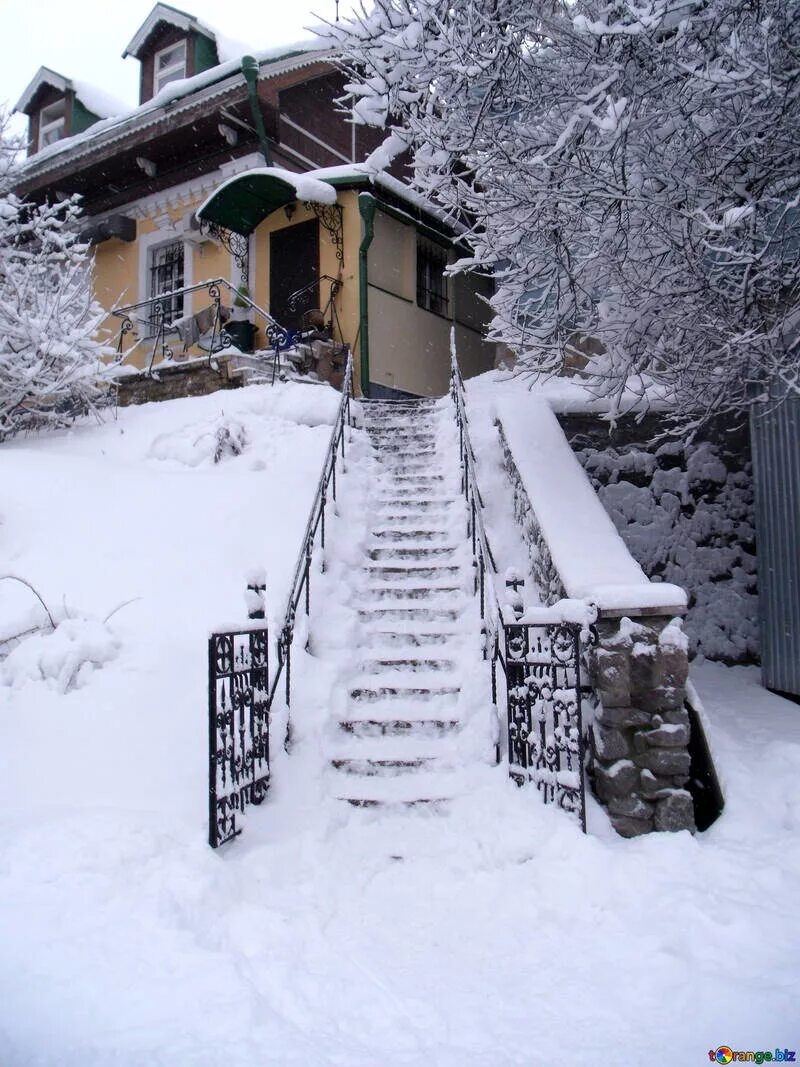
(243, 203)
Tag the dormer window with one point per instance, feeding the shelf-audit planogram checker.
(170, 65)
(52, 121)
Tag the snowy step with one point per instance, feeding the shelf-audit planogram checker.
(389, 640)
(398, 534)
(422, 788)
(402, 614)
(400, 726)
(403, 665)
(418, 479)
(409, 592)
(412, 573)
(417, 554)
(425, 493)
(415, 693)
(383, 767)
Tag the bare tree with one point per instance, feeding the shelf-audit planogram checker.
(630, 173)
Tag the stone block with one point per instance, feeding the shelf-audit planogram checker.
(611, 677)
(672, 666)
(675, 812)
(619, 779)
(623, 716)
(609, 744)
(634, 807)
(667, 736)
(654, 788)
(644, 669)
(664, 761)
(676, 716)
(628, 827)
(660, 698)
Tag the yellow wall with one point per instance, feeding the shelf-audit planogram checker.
(409, 347)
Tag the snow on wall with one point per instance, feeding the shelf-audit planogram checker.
(686, 514)
(584, 546)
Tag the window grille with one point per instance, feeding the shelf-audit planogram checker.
(166, 275)
(432, 291)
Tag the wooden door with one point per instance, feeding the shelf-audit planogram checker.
(293, 264)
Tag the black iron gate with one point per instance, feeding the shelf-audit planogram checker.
(545, 728)
(238, 709)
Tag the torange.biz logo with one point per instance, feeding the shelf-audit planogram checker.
(725, 1054)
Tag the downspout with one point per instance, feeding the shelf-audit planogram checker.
(250, 71)
(366, 207)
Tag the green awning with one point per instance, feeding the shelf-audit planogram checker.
(243, 202)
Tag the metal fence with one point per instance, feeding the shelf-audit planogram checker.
(775, 430)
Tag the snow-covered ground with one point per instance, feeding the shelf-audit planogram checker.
(495, 934)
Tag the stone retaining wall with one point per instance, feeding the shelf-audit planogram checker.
(640, 737)
(176, 380)
(639, 740)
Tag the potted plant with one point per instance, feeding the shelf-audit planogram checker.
(239, 327)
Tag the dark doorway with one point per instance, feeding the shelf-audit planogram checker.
(293, 265)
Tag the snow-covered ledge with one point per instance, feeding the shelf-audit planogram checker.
(639, 664)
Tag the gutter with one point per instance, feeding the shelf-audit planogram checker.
(366, 208)
(250, 72)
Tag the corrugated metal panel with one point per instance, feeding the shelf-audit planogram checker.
(776, 469)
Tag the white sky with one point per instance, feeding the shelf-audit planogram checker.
(86, 38)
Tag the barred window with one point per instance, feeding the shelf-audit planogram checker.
(166, 275)
(432, 294)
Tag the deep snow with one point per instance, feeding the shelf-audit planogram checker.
(496, 934)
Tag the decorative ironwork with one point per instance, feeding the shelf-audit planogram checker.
(330, 217)
(541, 662)
(545, 729)
(236, 244)
(238, 729)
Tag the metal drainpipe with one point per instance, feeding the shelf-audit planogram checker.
(366, 207)
(250, 71)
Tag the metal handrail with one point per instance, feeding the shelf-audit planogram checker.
(316, 523)
(277, 335)
(492, 611)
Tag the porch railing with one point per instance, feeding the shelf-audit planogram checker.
(159, 330)
(301, 583)
(541, 659)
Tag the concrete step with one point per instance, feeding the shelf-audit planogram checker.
(413, 665)
(412, 572)
(400, 726)
(403, 535)
(408, 592)
(421, 693)
(379, 616)
(424, 788)
(388, 641)
(384, 767)
(415, 555)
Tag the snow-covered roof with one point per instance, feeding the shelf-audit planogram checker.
(181, 20)
(93, 99)
(180, 94)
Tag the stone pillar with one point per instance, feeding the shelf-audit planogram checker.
(640, 736)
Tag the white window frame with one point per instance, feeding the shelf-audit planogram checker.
(151, 241)
(158, 75)
(59, 123)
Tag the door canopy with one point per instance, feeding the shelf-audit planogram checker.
(241, 203)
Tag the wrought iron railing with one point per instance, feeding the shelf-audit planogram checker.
(301, 583)
(240, 690)
(151, 317)
(541, 660)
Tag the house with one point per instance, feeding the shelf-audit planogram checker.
(201, 183)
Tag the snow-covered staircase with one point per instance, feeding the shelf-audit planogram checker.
(397, 740)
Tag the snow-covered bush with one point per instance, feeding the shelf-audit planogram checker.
(197, 444)
(64, 657)
(630, 174)
(51, 366)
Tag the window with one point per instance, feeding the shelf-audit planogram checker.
(431, 283)
(51, 123)
(170, 65)
(166, 275)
